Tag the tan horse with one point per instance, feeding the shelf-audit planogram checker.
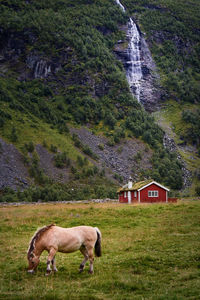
(53, 238)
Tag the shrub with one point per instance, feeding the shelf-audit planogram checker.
(137, 157)
(1, 121)
(29, 146)
(61, 160)
(197, 190)
(53, 148)
(44, 144)
(80, 161)
(111, 142)
(101, 146)
(87, 150)
(13, 135)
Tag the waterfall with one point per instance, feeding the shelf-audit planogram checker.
(133, 65)
(122, 7)
(41, 69)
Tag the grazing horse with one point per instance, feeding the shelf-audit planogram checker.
(53, 238)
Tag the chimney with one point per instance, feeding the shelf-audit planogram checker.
(130, 183)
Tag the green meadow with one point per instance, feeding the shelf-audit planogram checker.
(148, 252)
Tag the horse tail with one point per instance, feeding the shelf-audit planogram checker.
(97, 246)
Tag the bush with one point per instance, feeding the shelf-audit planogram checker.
(111, 142)
(197, 190)
(53, 148)
(137, 157)
(101, 146)
(87, 150)
(13, 136)
(29, 146)
(61, 160)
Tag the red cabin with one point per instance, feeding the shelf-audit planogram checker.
(143, 192)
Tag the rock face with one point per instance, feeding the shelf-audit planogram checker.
(151, 92)
(118, 159)
(13, 173)
(47, 164)
(29, 64)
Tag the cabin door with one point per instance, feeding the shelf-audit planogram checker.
(129, 196)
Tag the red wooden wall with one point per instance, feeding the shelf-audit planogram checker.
(162, 194)
(153, 187)
(122, 199)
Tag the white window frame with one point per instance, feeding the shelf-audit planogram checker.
(135, 194)
(124, 194)
(153, 194)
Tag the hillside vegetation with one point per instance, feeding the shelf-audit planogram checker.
(149, 252)
(58, 71)
(172, 29)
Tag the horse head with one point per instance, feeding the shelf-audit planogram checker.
(35, 248)
(33, 262)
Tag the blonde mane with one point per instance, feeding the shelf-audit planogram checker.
(36, 237)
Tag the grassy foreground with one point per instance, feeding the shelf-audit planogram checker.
(149, 252)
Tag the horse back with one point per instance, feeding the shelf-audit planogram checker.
(70, 239)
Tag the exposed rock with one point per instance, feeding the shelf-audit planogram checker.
(151, 92)
(47, 164)
(13, 173)
(40, 67)
(29, 64)
(119, 158)
(171, 146)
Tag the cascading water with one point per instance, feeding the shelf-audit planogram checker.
(133, 65)
(122, 7)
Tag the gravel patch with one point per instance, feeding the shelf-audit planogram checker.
(13, 173)
(118, 158)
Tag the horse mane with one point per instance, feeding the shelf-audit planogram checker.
(36, 237)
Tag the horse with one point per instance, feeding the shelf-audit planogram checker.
(53, 238)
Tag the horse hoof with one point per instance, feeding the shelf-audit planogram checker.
(48, 273)
(91, 272)
(81, 271)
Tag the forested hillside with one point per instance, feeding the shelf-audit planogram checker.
(172, 29)
(58, 73)
(173, 32)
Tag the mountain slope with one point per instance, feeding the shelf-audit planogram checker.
(58, 71)
(172, 32)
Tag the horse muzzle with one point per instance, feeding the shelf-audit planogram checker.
(30, 271)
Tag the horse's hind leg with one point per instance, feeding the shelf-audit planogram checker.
(51, 256)
(91, 259)
(85, 254)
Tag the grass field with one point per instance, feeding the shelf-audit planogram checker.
(149, 252)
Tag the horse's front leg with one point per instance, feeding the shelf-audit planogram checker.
(50, 258)
(54, 264)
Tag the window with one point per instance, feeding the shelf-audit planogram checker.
(152, 193)
(124, 194)
(135, 194)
